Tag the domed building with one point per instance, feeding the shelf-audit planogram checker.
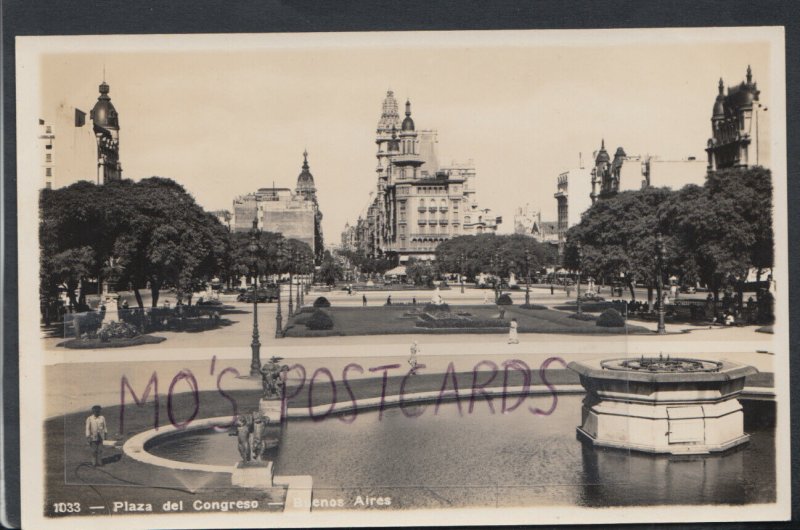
(106, 130)
(293, 213)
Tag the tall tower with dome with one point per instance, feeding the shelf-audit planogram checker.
(307, 190)
(106, 131)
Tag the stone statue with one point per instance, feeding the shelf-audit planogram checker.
(243, 424)
(259, 435)
(273, 378)
(437, 297)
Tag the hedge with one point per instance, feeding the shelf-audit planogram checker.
(322, 302)
(319, 320)
(610, 318)
(504, 299)
(462, 323)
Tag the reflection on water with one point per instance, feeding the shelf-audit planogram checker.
(493, 459)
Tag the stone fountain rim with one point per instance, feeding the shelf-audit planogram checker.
(728, 371)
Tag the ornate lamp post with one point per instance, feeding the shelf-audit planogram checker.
(278, 317)
(659, 280)
(291, 270)
(527, 277)
(299, 284)
(463, 263)
(255, 345)
(580, 265)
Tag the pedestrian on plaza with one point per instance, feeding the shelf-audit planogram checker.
(412, 359)
(552, 290)
(413, 300)
(389, 300)
(512, 332)
(363, 300)
(486, 298)
(96, 432)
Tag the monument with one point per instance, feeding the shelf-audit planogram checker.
(259, 431)
(662, 404)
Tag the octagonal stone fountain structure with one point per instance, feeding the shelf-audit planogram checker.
(662, 405)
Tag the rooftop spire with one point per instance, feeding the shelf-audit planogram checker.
(721, 86)
(408, 107)
(749, 75)
(305, 159)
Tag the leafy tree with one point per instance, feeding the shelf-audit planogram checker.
(420, 272)
(496, 254)
(330, 271)
(137, 233)
(617, 237)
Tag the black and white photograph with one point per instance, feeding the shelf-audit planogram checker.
(403, 278)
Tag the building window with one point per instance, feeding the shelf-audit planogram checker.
(48, 146)
(48, 172)
(48, 129)
(48, 185)
(48, 157)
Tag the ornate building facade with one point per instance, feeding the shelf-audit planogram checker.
(106, 130)
(71, 151)
(735, 140)
(295, 214)
(417, 203)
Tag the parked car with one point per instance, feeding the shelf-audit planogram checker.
(268, 293)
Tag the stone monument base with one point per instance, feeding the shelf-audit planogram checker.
(253, 475)
(271, 408)
(660, 405)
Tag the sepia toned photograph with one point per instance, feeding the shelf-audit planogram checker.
(523, 277)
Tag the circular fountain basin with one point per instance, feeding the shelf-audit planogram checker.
(663, 405)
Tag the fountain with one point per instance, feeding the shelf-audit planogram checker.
(662, 405)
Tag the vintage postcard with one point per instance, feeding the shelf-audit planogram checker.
(403, 278)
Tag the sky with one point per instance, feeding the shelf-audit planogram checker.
(228, 118)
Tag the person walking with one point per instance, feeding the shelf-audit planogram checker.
(412, 359)
(363, 300)
(513, 338)
(96, 432)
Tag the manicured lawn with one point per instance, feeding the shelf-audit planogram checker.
(385, 320)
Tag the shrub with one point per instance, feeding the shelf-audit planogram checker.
(319, 320)
(611, 318)
(434, 308)
(117, 330)
(504, 299)
(322, 302)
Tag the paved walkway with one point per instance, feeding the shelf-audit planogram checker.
(77, 378)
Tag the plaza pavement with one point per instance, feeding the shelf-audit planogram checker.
(77, 379)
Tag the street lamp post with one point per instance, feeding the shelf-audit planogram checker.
(299, 287)
(527, 277)
(255, 345)
(291, 269)
(578, 283)
(463, 262)
(278, 316)
(659, 264)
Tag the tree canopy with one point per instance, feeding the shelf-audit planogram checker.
(712, 233)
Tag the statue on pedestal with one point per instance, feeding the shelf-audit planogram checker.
(243, 424)
(273, 378)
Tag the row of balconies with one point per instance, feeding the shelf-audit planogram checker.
(431, 209)
(434, 221)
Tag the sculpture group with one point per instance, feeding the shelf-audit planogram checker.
(250, 429)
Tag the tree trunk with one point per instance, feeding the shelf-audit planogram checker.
(649, 297)
(633, 290)
(138, 296)
(154, 291)
(71, 288)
